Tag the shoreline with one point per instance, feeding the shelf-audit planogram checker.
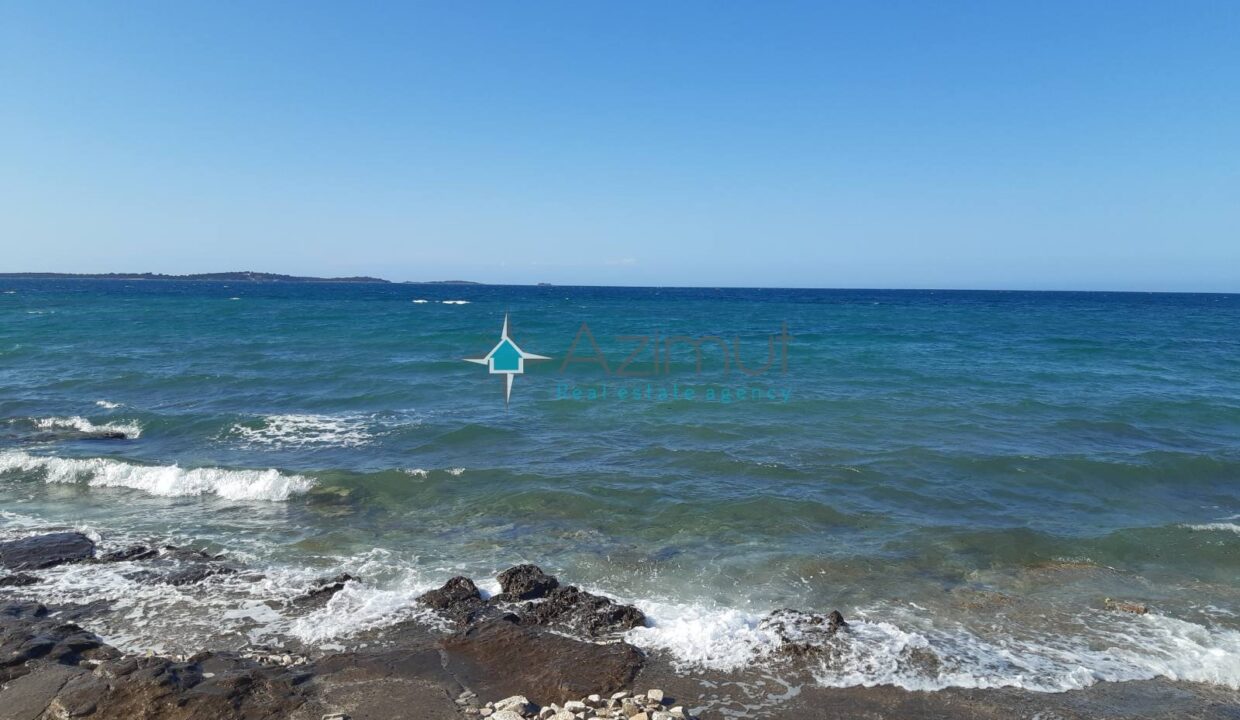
(537, 638)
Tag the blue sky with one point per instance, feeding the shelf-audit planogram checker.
(904, 144)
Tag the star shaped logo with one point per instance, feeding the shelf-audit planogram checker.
(506, 359)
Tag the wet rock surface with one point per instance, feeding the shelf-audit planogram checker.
(532, 597)
(78, 675)
(499, 657)
(44, 551)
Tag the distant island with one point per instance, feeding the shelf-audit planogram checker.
(211, 277)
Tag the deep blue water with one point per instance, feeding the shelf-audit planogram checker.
(944, 464)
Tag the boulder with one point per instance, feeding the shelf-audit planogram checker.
(582, 612)
(526, 582)
(45, 551)
(457, 599)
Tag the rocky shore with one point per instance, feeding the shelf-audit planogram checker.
(538, 650)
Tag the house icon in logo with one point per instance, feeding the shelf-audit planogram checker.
(506, 359)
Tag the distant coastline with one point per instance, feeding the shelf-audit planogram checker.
(210, 277)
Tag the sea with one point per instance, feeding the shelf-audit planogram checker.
(974, 479)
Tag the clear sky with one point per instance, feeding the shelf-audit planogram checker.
(1036, 145)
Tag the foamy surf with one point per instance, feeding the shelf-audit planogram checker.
(163, 480)
(304, 430)
(896, 651)
(130, 430)
(1216, 526)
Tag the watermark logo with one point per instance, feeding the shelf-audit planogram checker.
(506, 359)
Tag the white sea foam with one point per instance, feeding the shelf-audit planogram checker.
(455, 302)
(916, 654)
(165, 480)
(1221, 526)
(307, 431)
(387, 597)
(130, 429)
(107, 405)
(420, 301)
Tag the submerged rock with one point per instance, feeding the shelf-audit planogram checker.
(326, 587)
(45, 551)
(1124, 606)
(803, 633)
(133, 552)
(18, 580)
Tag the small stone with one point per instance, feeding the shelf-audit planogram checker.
(574, 706)
(546, 713)
(486, 711)
(655, 695)
(679, 712)
(506, 715)
(518, 704)
(640, 716)
(620, 695)
(594, 699)
(564, 715)
(663, 715)
(336, 716)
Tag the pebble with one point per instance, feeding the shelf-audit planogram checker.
(620, 706)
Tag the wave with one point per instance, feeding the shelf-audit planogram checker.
(107, 405)
(1221, 526)
(163, 480)
(130, 430)
(454, 302)
(300, 431)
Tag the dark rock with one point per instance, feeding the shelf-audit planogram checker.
(458, 599)
(196, 574)
(45, 551)
(133, 552)
(526, 582)
(326, 587)
(18, 580)
(496, 658)
(804, 633)
(107, 435)
(28, 633)
(582, 612)
(223, 686)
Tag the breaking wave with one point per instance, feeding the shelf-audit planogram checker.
(76, 423)
(163, 480)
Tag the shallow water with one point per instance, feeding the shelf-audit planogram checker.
(966, 475)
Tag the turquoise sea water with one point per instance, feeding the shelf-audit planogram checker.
(965, 475)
